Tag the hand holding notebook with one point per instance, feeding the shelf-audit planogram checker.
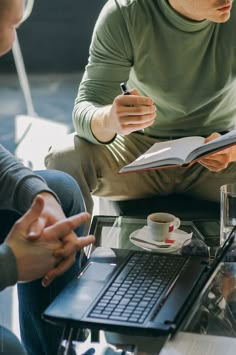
(179, 152)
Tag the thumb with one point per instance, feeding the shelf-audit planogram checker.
(31, 215)
(212, 137)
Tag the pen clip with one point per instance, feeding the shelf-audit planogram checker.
(124, 89)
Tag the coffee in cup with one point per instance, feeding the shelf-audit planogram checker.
(162, 225)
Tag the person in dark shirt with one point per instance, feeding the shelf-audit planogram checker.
(41, 216)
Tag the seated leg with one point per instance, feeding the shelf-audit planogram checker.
(38, 336)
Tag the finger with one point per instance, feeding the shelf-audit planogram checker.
(136, 112)
(31, 215)
(36, 229)
(137, 120)
(220, 155)
(130, 100)
(223, 152)
(70, 248)
(208, 161)
(63, 266)
(220, 162)
(64, 227)
(212, 167)
(132, 128)
(212, 137)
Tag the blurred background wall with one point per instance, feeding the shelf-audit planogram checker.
(56, 36)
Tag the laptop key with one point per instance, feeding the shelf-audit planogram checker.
(124, 318)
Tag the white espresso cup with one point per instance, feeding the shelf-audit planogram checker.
(162, 225)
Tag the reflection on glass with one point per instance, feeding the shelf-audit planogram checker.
(216, 315)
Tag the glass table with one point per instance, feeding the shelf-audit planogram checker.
(214, 312)
(115, 231)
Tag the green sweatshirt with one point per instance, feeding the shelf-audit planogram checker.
(187, 67)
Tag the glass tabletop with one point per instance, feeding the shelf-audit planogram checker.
(116, 231)
(214, 312)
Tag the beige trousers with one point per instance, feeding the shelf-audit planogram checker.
(95, 168)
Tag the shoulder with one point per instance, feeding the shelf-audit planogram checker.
(129, 11)
(128, 6)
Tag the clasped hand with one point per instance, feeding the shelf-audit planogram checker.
(44, 242)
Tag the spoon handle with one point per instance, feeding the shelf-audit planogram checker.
(150, 243)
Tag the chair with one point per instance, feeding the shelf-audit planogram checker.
(185, 207)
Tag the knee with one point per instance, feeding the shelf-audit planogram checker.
(69, 154)
(10, 343)
(67, 190)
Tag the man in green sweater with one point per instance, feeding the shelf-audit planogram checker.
(178, 58)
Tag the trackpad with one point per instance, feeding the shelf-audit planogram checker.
(97, 271)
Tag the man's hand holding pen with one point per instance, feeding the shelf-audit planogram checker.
(131, 112)
(128, 113)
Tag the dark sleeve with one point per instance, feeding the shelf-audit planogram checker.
(18, 184)
(8, 267)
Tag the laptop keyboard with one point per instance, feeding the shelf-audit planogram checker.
(139, 286)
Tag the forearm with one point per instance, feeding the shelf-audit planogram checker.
(90, 122)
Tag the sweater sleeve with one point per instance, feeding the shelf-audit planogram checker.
(8, 267)
(18, 184)
(110, 61)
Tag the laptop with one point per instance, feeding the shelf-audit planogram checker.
(134, 292)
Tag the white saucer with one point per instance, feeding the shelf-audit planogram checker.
(179, 237)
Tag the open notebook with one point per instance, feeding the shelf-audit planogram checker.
(134, 292)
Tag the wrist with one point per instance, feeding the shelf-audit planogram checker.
(49, 198)
(51, 205)
(100, 125)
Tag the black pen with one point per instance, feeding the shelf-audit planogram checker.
(124, 89)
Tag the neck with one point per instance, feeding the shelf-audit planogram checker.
(180, 9)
